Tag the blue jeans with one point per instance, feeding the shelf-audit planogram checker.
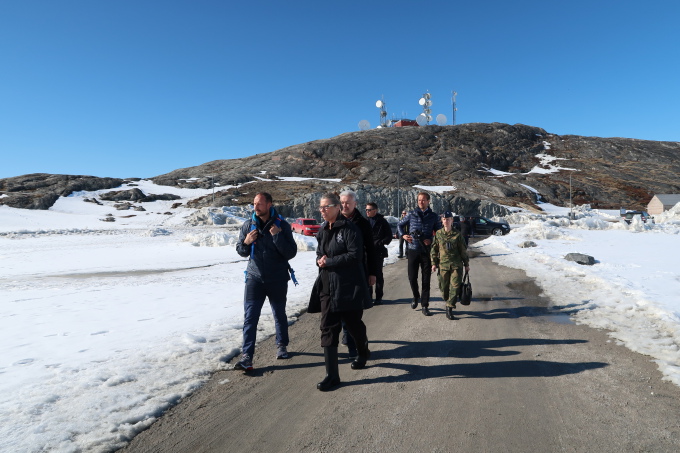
(253, 300)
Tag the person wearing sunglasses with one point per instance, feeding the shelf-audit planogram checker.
(340, 290)
(382, 236)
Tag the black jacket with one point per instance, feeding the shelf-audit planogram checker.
(382, 234)
(370, 260)
(464, 228)
(344, 269)
(270, 254)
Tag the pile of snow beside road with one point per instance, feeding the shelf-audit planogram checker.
(632, 290)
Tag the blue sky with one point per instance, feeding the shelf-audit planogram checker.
(140, 88)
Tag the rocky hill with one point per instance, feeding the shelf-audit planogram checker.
(489, 165)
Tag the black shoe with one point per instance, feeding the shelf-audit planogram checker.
(449, 312)
(414, 304)
(426, 312)
(361, 359)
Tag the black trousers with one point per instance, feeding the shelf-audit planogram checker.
(331, 324)
(379, 281)
(417, 260)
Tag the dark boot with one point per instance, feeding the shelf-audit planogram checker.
(426, 311)
(414, 303)
(352, 352)
(363, 356)
(332, 378)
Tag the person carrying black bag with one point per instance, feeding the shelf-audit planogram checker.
(449, 255)
(340, 291)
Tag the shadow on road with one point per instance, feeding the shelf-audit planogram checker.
(508, 369)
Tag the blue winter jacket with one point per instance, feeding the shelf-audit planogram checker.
(426, 223)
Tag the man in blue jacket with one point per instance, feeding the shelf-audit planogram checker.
(422, 223)
(268, 240)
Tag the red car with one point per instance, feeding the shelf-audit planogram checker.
(308, 227)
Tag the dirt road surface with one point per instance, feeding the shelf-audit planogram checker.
(508, 376)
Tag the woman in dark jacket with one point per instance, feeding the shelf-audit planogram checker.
(340, 290)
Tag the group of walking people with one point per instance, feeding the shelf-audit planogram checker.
(350, 253)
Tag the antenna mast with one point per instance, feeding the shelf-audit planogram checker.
(383, 112)
(425, 117)
(453, 104)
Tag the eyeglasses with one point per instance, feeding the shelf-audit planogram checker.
(325, 208)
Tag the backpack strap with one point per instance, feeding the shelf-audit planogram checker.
(277, 221)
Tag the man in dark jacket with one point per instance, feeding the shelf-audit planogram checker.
(268, 240)
(422, 223)
(348, 201)
(341, 290)
(465, 229)
(382, 235)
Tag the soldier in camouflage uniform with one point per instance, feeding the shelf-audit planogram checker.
(449, 254)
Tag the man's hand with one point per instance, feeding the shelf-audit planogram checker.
(251, 237)
(274, 230)
(408, 238)
(371, 280)
(321, 261)
(434, 268)
(427, 241)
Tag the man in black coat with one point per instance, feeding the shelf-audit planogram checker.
(348, 201)
(382, 235)
(465, 229)
(340, 291)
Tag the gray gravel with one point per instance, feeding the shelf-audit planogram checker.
(508, 376)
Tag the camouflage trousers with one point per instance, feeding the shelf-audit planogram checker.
(449, 284)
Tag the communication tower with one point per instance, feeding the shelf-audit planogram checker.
(383, 112)
(426, 102)
(453, 105)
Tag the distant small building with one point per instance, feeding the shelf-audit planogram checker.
(403, 123)
(662, 202)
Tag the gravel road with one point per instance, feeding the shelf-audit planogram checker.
(508, 376)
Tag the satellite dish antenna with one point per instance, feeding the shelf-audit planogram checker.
(421, 119)
(428, 103)
(379, 104)
(422, 101)
(364, 125)
(429, 118)
(426, 96)
(441, 119)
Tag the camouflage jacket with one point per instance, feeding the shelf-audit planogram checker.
(448, 250)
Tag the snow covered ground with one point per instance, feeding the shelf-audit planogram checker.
(104, 325)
